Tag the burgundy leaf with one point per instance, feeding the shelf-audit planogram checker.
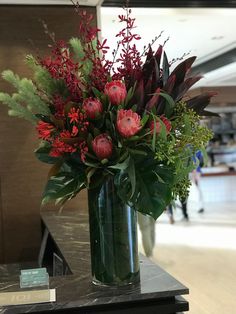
(184, 87)
(181, 70)
(170, 84)
(198, 103)
(153, 101)
(158, 55)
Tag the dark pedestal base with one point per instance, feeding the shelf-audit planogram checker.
(65, 251)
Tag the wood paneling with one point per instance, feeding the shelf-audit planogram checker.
(23, 177)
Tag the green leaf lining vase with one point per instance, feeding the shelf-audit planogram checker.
(113, 237)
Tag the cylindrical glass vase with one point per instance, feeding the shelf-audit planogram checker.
(113, 237)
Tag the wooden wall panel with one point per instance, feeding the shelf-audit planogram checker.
(22, 176)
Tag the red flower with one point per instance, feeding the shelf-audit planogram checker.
(83, 150)
(74, 130)
(59, 147)
(128, 122)
(102, 146)
(73, 115)
(116, 91)
(166, 122)
(44, 130)
(92, 107)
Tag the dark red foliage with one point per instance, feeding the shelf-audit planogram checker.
(129, 58)
(61, 66)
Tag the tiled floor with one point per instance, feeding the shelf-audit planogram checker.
(201, 253)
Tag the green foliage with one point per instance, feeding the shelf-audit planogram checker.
(16, 109)
(44, 81)
(178, 150)
(86, 65)
(26, 102)
(149, 191)
(66, 184)
(62, 187)
(42, 153)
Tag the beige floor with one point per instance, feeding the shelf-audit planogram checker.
(201, 254)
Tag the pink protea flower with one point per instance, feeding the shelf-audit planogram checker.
(102, 146)
(166, 122)
(116, 91)
(128, 122)
(92, 107)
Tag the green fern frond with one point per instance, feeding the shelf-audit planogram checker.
(12, 78)
(77, 48)
(17, 109)
(44, 81)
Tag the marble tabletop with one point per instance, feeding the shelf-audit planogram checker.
(70, 232)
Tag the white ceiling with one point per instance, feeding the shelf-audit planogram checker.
(203, 32)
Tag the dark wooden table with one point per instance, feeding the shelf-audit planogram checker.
(65, 251)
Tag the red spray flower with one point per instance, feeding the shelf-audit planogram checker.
(59, 147)
(83, 150)
(78, 117)
(166, 122)
(92, 107)
(74, 115)
(44, 130)
(116, 92)
(102, 146)
(128, 122)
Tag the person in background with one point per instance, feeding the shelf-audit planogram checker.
(169, 210)
(147, 229)
(195, 177)
(183, 202)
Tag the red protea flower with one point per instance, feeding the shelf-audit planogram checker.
(44, 130)
(128, 122)
(92, 107)
(116, 91)
(102, 146)
(166, 122)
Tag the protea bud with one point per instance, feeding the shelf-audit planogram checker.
(116, 92)
(102, 146)
(92, 107)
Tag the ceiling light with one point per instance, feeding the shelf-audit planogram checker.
(218, 37)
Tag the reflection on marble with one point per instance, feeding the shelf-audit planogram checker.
(71, 235)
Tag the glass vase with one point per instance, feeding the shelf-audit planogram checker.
(113, 237)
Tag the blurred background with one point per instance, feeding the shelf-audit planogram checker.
(199, 248)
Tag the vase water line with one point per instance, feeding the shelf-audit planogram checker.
(113, 237)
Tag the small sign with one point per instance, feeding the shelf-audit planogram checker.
(27, 297)
(34, 277)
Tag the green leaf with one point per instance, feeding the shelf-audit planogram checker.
(170, 104)
(137, 152)
(122, 166)
(132, 138)
(165, 69)
(63, 187)
(153, 186)
(96, 92)
(154, 136)
(42, 153)
(144, 119)
(132, 176)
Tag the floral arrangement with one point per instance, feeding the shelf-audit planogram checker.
(128, 117)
